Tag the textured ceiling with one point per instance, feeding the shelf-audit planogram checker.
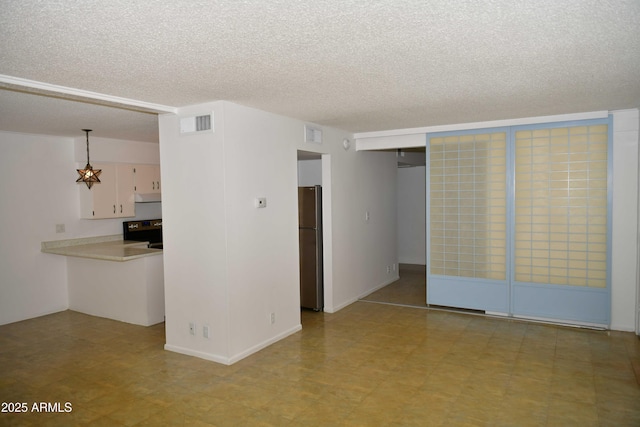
(354, 65)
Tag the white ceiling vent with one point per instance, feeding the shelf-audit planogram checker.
(196, 124)
(312, 134)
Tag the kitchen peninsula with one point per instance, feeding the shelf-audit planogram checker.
(113, 278)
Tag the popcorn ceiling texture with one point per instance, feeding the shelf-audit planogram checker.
(355, 65)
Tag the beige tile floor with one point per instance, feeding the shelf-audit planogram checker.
(367, 365)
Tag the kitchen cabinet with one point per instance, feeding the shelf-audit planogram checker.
(127, 278)
(147, 179)
(113, 197)
(130, 291)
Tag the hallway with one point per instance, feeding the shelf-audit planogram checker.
(409, 290)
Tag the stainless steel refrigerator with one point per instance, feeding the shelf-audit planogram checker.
(310, 232)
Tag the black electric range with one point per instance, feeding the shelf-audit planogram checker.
(149, 230)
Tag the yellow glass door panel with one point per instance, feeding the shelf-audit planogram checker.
(468, 220)
(561, 206)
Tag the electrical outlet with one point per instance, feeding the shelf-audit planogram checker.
(388, 269)
(192, 328)
(60, 228)
(273, 318)
(205, 331)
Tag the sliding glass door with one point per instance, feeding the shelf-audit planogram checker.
(518, 221)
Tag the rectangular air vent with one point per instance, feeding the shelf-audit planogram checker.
(312, 134)
(195, 124)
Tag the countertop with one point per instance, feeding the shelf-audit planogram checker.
(108, 248)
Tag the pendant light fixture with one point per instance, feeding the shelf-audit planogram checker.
(88, 175)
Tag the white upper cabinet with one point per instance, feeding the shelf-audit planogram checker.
(147, 179)
(113, 197)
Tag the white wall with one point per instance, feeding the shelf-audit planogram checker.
(624, 256)
(230, 265)
(194, 235)
(362, 250)
(411, 197)
(38, 191)
(33, 283)
(261, 243)
(638, 244)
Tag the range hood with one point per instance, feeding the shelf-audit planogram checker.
(147, 197)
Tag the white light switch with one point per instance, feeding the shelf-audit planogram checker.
(261, 202)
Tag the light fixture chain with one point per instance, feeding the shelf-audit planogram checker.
(87, 132)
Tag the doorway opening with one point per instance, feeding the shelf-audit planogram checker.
(314, 231)
(411, 288)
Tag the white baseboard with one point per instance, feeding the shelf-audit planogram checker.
(340, 306)
(233, 359)
(33, 315)
(202, 355)
(416, 261)
(377, 288)
(622, 328)
(264, 344)
(364, 294)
